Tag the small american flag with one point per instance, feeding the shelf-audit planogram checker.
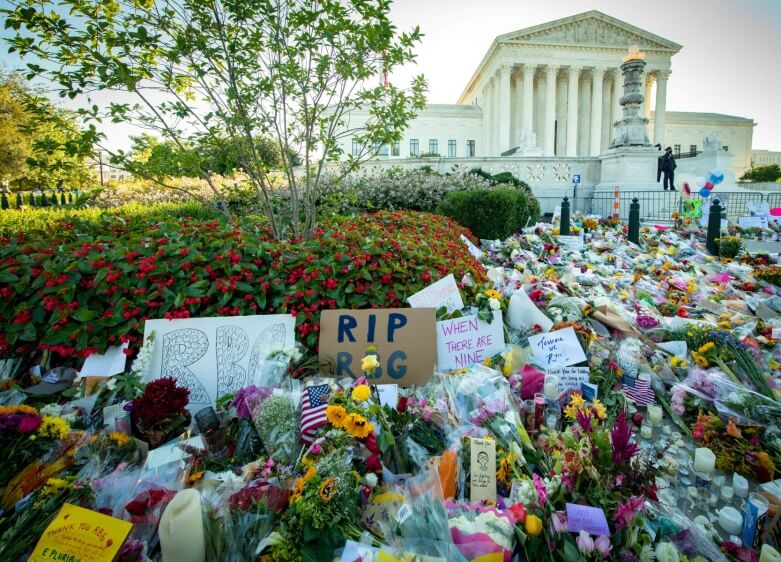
(313, 405)
(638, 390)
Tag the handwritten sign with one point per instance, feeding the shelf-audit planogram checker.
(80, 534)
(442, 293)
(570, 377)
(482, 469)
(752, 222)
(405, 341)
(474, 250)
(587, 518)
(466, 341)
(556, 349)
(212, 357)
(572, 243)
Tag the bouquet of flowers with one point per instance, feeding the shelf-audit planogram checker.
(254, 512)
(272, 370)
(276, 417)
(478, 531)
(160, 412)
(18, 435)
(103, 453)
(114, 390)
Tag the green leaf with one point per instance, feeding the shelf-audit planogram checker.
(84, 314)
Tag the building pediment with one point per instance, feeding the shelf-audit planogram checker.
(593, 29)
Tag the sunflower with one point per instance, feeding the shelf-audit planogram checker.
(57, 428)
(328, 489)
(358, 426)
(361, 393)
(298, 489)
(335, 415)
(493, 294)
(706, 347)
(311, 473)
(119, 438)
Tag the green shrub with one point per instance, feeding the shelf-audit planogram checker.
(490, 213)
(96, 290)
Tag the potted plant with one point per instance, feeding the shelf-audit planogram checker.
(160, 412)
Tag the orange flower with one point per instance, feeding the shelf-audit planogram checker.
(194, 477)
(732, 429)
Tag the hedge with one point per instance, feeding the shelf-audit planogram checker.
(97, 290)
(491, 213)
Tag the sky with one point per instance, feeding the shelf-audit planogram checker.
(729, 62)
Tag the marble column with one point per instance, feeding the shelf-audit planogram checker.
(598, 76)
(572, 111)
(649, 81)
(485, 105)
(618, 110)
(505, 73)
(660, 112)
(550, 109)
(495, 117)
(527, 111)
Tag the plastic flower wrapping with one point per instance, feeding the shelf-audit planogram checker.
(681, 355)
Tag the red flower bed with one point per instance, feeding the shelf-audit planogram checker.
(86, 295)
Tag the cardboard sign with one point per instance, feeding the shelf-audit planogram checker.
(80, 534)
(587, 518)
(442, 293)
(570, 377)
(482, 470)
(752, 222)
(105, 364)
(466, 341)
(214, 356)
(405, 339)
(474, 250)
(556, 349)
(571, 243)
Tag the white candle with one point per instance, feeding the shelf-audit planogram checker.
(181, 529)
(739, 485)
(655, 414)
(730, 520)
(727, 493)
(769, 554)
(551, 388)
(704, 460)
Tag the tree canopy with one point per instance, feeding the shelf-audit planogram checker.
(203, 71)
(763, 174)
(40, 144)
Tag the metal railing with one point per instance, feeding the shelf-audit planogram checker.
(658, 206)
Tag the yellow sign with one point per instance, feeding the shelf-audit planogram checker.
(81, 535)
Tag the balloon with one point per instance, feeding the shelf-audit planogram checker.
(687, 189)
(704, 192)
(715, 177)
(699, 182)
(709, 186)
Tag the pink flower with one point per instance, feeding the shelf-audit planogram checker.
(585, 543)
(542, 492)
(28, 424)
(315, 449)
(559, 520)
(603, 546)
(626, 511)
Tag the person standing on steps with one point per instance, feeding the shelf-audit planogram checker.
(667, 167)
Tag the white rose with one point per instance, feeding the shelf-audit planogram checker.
(666, 552)
(371, 480)
(494, 304)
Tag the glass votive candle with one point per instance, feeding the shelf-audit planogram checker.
(667, 430)
(655, 415)
(646, 430)
(739, 485)
(551, 388)
(727, 493)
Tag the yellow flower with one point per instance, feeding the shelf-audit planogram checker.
(600, 409)
(358, 426)
(195, 477)
(335, 415)
(533, 525)
(328, 489)
(57, 428)
(571, 411)
(361, 393)
(577, 399)
(493, 294)
(298, 489)
(705, 348)
(19, 409)
(119, 438)
(311, 473)
(369, 363)
(700, 360)
(675, 361)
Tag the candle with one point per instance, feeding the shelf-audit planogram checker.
(727, 493)
(551, 388)
(667, 430)
(646, 431)
(181, 529)
(740, 485)
(704, 460)
(730, 520)
(655, 414)
(769, 554)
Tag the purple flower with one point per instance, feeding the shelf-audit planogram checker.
(621, 434)
(603, 546)
(542, 492)
(246, 396)
(559, 519)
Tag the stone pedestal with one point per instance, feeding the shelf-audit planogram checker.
(630, 131)
(631, 169)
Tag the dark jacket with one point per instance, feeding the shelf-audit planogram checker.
(667, 163)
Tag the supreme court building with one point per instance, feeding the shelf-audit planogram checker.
(543, 101)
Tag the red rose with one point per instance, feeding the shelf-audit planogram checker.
(374, 464)
(402, 405)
